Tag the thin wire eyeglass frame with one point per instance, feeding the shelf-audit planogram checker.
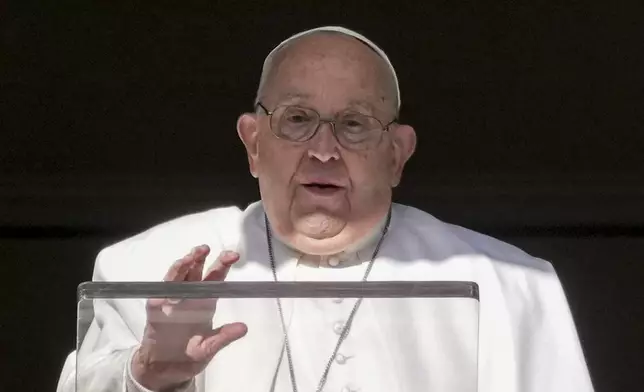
(320, 121)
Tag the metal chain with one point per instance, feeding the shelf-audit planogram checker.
(347, 325)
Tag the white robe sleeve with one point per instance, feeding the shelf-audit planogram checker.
(101, 364)
(103, 361)
(551, 358)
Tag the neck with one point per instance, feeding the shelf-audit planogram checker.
(370, 238)
(367, 240)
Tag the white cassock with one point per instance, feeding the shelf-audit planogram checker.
(527, 341)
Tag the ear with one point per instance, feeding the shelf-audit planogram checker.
(404, 145)
(247, 130)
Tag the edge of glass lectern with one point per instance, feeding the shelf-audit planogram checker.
(386, 289)
(465, 294)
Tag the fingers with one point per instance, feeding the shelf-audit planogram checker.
(200, 254)
(190, 269)
(189, 266)
(221, 266)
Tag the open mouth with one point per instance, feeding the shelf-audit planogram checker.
(322, 188)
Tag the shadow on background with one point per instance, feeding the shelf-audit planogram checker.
(114, 118)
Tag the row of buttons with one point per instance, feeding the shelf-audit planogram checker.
(338, 327)
(340, 358)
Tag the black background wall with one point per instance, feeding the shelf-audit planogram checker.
(119, 115)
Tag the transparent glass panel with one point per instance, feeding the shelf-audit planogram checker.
(403, 336)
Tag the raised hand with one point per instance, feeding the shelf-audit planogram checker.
(179, 340)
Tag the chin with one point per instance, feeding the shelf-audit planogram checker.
(319, 234)
(319, 225)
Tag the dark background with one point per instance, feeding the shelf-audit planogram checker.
(115, 116)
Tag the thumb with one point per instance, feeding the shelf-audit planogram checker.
(223, 336)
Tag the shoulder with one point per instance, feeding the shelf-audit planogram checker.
(147, 255)
(453, 240)
(203, 224)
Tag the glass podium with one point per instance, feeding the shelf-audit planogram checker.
(300, 336)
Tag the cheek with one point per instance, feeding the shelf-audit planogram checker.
(369, 172)
(277, 161)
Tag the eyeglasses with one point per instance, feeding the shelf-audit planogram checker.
(354, 131)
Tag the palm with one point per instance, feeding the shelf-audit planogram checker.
(179, 340)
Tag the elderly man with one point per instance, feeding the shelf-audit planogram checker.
(326, 147)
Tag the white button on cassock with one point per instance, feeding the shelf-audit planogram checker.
(341, 359)
(338, 300)
(338, 326)
(334, 261)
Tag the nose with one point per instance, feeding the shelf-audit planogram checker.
(324, 145)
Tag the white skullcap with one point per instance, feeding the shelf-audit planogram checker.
(345, 31)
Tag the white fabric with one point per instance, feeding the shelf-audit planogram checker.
(527, 338)
(351, 33)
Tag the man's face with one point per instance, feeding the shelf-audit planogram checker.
(320, 196)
